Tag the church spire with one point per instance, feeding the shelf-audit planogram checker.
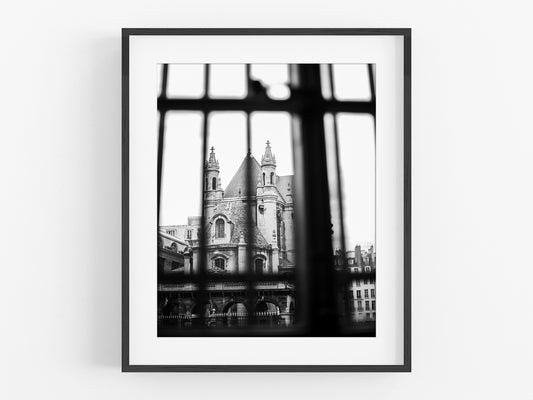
(268, 166)
(212, 164)
(268, 158)
(212, 180)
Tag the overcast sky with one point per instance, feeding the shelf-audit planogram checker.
(182, 162)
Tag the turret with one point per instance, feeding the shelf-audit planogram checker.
(212, 185)
(267, 218)
(212, 169)
(268, 166)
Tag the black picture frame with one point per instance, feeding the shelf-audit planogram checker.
(405, 33)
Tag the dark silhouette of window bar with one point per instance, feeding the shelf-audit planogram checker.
(321, 278)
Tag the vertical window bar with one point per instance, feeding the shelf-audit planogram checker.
(161, 139)
(202, 261)
(249, 222)
(301, 273)
(344, 279)
(322, 296)
(206, 80)
(372, 80)
(371, 77)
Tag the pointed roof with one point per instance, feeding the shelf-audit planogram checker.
(268, 158)
(284, 184)
(237, 186)
(213, 162)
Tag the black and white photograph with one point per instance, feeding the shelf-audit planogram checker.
(293, 199)
(256, 238)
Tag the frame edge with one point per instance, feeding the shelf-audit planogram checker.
(407, 362)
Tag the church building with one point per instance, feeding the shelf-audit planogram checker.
(226, 221)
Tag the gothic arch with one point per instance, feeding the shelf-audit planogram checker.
(237, 303)
(267, 305)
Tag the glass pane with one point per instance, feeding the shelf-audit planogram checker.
(351, 82)
(357, 167)
(227, 80)
(185, 80)
(274, 77)
(225, 185)
(356, 218)
(357, 162)
(181, 170)
(274, 183)
(325, 81)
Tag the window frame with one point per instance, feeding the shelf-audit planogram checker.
(406, 34)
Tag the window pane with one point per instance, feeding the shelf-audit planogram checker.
(227, 140)
(325, 81)
(356, 159)
(357, 167)
(351, 82)
(227, 80)
(185, 80)
(182, 152)
(224, 166)
(272, 149)
(274, 77)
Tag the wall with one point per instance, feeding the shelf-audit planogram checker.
(472, 198)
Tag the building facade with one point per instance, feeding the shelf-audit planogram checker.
(272, 251)
(226, 213)
(361, 290)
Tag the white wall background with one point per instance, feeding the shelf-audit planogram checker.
(472, 198)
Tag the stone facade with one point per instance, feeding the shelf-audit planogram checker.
(226, 213)
(226, 220)
(361, 291)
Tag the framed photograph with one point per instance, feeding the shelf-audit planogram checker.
(266, 200)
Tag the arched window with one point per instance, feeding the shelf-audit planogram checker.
(264, 183)
(272, 178)
(214, 183)
(219, 228)
(259, 262)
(220, 263)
